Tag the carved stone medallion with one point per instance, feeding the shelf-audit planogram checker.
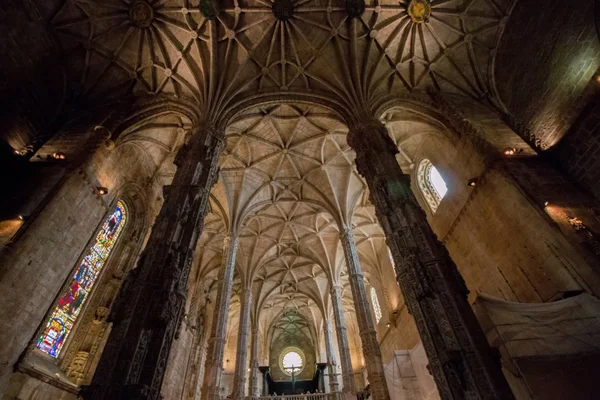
(419, 10)
(283, 9)
(209, 9)
(355, 8)
(141, 14)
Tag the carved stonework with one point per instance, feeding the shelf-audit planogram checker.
(368, 334)
(419, 10)
(283, 9)
(460, 359)
(239, 379)
(331, 363)
(254, 371)
(209, 8)
(355, 8)
(76, 371)
(216, 343)
(149, 309)
(141, 14)
(342, 337)
(585, 234)
(100, 315)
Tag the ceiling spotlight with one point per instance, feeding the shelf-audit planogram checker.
(59, 156)
(22, 218)
(546, 204)
(102, 190)
(17, 152)
(509, 151)
(388, 325)
(472, 182)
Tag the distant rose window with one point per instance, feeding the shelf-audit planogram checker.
(292, 359)
(432, 185)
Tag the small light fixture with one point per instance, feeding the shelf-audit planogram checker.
(17, 152)
(510, 151)
(546, 204)
(388, 325)
(472, 182)
(102, 190)
(59, 156)
(248, 369)
(22, 218)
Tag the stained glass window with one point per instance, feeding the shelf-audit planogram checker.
(376, 307)
(70, 304)
(431, 183)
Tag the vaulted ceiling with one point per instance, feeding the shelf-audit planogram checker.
(288, 181)
(187, 49)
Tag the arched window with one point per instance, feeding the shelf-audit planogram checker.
(376, 306)
(431, 184)
(71, 302)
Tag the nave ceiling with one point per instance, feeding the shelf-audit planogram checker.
(287, 184)
(255, 47)
(288, 180)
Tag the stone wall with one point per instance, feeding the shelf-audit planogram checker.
(502, 243)
(554, 47)
(579, 151)
(34, 269)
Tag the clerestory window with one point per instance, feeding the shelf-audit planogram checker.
(431, 184)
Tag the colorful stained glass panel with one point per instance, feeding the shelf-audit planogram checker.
(70, 304)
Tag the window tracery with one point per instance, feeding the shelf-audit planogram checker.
(291, 360)
(63, 317)
(376, 306)
(431, 184)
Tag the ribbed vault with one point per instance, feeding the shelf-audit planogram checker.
(179, 48)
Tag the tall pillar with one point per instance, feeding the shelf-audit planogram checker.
(241, 360)
(333, 382)
(265, 386)
(148, 311)
(368, 334)
(342, 337)
(216, 344)
(460, 359)
(254, 362)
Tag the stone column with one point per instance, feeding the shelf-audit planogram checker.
(241, 360)
(321, 383)
(148, 311)
(340, 328)
(216, 344)
(460, 359)
(333, 382)
(368, 334)
(265, 388)
(254, 362)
